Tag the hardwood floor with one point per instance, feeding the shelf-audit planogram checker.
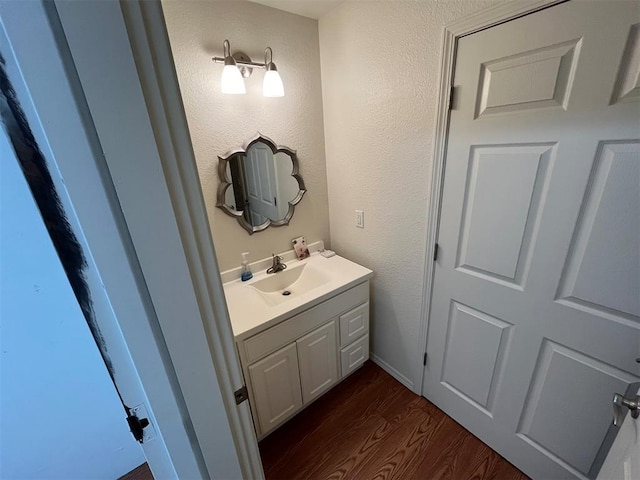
(372, 427)
(143, 472)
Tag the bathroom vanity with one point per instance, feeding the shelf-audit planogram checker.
(298, 333)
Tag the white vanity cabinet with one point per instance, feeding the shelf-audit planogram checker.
(290, 364)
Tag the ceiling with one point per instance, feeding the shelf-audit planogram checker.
(306, 8)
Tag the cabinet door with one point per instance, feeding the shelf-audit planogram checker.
(276, 387)
(318, 358)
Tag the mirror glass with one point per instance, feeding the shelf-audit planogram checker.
(260, 184)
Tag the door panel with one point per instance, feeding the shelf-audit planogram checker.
(570, 399)
(628, 84)
(503, 195)
(474, 334)
(598, 261)
(535, 318)
(533, 79)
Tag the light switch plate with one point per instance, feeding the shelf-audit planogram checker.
(360, 218)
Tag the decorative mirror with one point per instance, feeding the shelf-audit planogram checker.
(260, 184)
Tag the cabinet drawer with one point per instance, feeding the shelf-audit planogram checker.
(354, 324)
(354, 355)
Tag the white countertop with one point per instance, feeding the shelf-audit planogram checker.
(250, 314)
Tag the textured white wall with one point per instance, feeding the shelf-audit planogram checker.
(219, 123)
(380, 71)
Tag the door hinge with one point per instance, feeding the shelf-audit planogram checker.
(452, 98)
(424, 359)
(435, 252)
(241, 395)
(137, 425)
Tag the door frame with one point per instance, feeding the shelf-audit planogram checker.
(451, 34)
(121, 314)
(149, 42)
(118, 61)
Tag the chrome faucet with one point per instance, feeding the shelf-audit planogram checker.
(277, 266)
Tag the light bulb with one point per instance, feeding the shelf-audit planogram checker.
(272, 84)
(232, 81)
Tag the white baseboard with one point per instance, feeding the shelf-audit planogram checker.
(392, 371)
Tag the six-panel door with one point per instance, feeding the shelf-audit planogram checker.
(535, 315)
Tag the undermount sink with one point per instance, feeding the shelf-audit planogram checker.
(280, 287)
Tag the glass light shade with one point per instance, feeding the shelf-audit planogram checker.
(232, 81)
(272, 85)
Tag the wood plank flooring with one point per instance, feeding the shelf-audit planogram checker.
(372, 427)
(143, 472)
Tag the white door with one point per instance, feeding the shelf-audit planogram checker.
(623, 460)
(318, 359)
(261, 184)
(276, 387)
(41, 119)
(535, 317)
(46, 337)
(125, 269)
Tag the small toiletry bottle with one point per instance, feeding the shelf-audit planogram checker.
(246, 271)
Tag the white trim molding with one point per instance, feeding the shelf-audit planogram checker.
(451, 34)
(123, 60)
(55, 107)
(392, 371)
(150, 44)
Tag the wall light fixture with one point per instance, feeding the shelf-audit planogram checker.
(239, 66)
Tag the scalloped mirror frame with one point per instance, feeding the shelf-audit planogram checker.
(225, 183)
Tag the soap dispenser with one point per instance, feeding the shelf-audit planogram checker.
(246, 271)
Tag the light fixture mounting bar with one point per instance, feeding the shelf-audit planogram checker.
(242, 63)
